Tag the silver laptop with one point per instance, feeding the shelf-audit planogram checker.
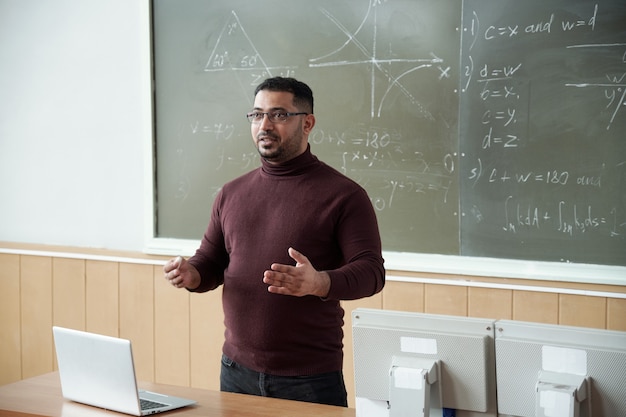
(99, 370)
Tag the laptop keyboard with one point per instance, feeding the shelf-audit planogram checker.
(149, 405)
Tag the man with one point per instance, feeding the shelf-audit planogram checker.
(287, 241)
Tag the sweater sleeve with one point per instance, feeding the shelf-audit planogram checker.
(211, 258)
(363, 273)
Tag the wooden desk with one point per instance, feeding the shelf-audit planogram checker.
(41, 396)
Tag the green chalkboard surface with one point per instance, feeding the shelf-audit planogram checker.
(479, 128)
(543, 130)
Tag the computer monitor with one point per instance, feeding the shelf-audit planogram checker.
(559, 371)
(414, 364)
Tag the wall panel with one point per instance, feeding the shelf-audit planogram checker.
(10, 329)
(171, 318)
(404, 296)
(616, 314)
(206, 338)
(137, 315)
(177, 336)
(36, 315)
(578, 310)
(490, 303)
(537, 307)
(445, 299)
(102, 297)
(68, 292)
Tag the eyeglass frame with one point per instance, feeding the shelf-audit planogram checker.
(287, 115)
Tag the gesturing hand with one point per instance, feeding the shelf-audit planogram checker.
(299, 280)
(181, 274)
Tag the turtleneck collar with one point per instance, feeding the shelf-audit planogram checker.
(295, 166)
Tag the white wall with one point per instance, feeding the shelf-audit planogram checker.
(75, 121)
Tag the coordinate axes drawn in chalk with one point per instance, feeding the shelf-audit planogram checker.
(378, 65)
(235, 50)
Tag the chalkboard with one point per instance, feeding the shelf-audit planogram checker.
(478, 128)
(384, 76)
(543, 130)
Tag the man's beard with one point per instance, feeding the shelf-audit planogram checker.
(278, 151)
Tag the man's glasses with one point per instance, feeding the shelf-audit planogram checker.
(273, 116)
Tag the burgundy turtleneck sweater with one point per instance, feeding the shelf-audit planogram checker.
(313, 208)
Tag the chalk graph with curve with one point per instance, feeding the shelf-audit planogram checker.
(236, 49)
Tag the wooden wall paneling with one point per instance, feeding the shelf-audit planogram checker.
(136, 296)
(68, 293)
(36, 315)
(206, 338)
(583, 311)
(616, 314)
(102, 297)
(171, 318)
(537, 307)
(491, 303)
(403, 296)
(375, 301)
(10, 343)
(177, 337)
(445, 299)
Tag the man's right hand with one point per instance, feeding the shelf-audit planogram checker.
(181, 274)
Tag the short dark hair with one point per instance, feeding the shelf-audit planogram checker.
(302, 94)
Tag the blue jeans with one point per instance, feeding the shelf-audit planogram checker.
(325, 388)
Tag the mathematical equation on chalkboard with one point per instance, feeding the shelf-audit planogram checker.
(543, 152)
(363, 154)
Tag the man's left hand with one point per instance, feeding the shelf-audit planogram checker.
(299, 280)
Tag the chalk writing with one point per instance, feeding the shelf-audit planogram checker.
(218, 131)
(479, 127)
(378, 160)
(235, 50)
(241, 162)
(615, 85)
(535, 158)
(549, 177)
(564, 219)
